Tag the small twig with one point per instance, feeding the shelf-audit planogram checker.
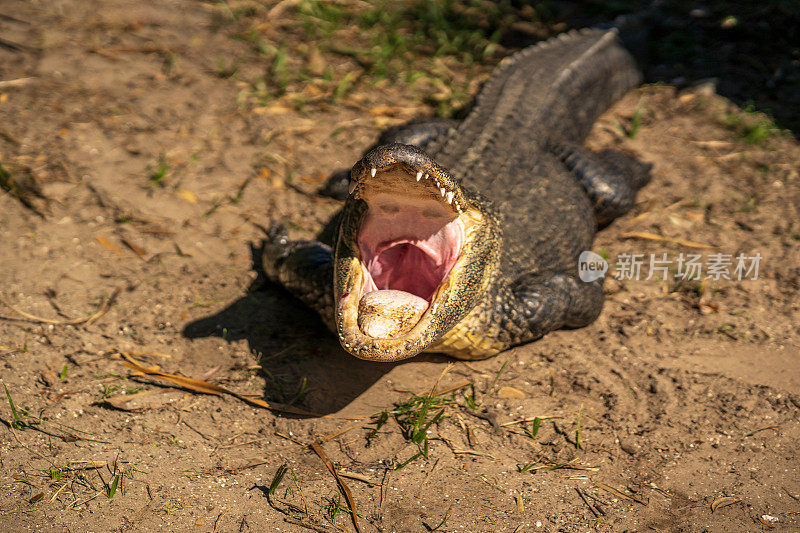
(451, 388)
(277, 10)
(476, 370)
(59, 490)
(287, 437)
(595, 498)
(19, 82)
(589, 505)
(307, 525)
(531, 419)
(76, 503)
(300, 490)
(616, 492)
(428, 477)
(384, 491)
(432, 392)
(331, 436)
(238, 469)
(472, 452)
(454, 388)
(654, 237)
(206, 387)
(357, 477)
(342, 485)
(86, 320)
(14, 19)
(11, 45)
(223, 513)
(10, 138)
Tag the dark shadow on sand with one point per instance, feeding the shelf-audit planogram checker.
(749, 50)
(294, 345)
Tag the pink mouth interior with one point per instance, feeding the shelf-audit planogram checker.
(409, 248)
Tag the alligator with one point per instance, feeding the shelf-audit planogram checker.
(463, 238)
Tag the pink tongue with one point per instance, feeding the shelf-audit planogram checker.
(405, 267)
(389, 313)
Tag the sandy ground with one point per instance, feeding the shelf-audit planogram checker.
(681, 399)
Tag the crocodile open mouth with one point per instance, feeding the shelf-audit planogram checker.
(409, 240)
(406, 255)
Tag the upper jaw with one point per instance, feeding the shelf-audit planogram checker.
(420, 167)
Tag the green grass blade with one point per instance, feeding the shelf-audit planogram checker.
(276, 480)
(113, 488)
(17, 423)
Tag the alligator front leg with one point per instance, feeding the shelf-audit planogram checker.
(541, 303)
(304, 268)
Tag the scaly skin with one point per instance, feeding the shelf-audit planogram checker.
(517, 177)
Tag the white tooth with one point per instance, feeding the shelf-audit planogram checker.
(441, 189)
(426, 176)
(450, 197)
(419, 176)
(374, 171)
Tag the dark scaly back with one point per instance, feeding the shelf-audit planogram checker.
(553, 90)
(556, 86)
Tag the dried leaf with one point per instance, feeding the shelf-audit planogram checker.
(384, 111)
(723, 502)
(316, 62)
(187, 195)
(205, 387)
(108, 245)
(707, 308)
(275, 109)
(510, 393)
(680, 222)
